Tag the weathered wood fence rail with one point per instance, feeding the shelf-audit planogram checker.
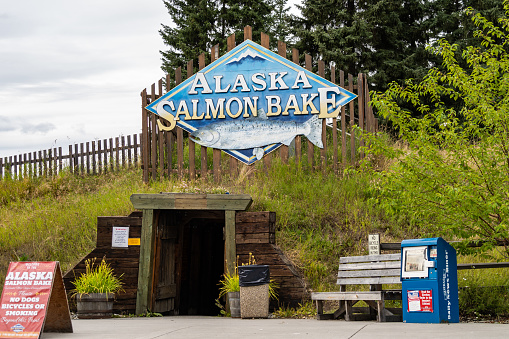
(93, 157)
(164, 153)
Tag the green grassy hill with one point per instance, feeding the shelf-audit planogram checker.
(320, 217)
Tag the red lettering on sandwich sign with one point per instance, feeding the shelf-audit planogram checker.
(25, 298)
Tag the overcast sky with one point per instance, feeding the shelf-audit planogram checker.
(72, 71)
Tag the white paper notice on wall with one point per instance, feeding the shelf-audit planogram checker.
(120, 237)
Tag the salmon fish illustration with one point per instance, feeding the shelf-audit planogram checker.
(256, 132)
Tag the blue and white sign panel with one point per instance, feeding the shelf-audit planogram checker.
(251, 101)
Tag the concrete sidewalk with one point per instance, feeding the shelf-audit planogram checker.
(215, 327)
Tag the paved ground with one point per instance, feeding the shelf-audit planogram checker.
(213, 327)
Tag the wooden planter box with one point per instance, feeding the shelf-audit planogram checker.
(95, 305)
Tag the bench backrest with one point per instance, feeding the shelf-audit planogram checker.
(369, 269)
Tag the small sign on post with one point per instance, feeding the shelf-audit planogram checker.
(374, 244)
(33, 299)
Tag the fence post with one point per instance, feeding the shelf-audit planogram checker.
(343, 121)
(203, 149)
(265, 42)
(311, 147)
(117, 153)
(60, 157)
(323, 151)
(129, 147)
(15, 169)
(30, 171)
(94, 163)
(335, 160)
(122, 143)
(112, 159)
(25, 167)
(298, 138)
(153, 131)
(352, 121)
(161, 135)
(180, 132)
(192, 146)
(44, 160)
(135, 141)
(10, 167)
(360, 92)
(169, 139)
(281, 49)
(230, 44)
(216, 153)
(144, 136)
(71, 160)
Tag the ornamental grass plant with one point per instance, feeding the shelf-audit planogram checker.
(229, 283)
(97, 279)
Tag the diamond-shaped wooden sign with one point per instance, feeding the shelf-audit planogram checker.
(251, 101)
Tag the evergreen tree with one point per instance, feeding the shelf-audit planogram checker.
(194, 23)
(385, 39)
(281, 20)
(201, 24)
(450, 22)
(236, 14)
(333, 30)
(398, 43)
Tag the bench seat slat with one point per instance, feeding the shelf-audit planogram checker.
(368, 281)
(366, 295)
(370, 273)
(370, 295)
(370, 266)
(367, 258)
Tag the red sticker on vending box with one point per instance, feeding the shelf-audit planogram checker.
(420, 301)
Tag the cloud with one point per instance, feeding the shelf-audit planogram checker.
(43, 128)
(6, 124)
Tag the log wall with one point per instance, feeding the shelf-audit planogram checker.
(256, 235)
(123, 260)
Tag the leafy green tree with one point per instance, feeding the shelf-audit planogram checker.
(452, 179)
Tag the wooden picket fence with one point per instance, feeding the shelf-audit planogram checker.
(93, 157)
(163, 152)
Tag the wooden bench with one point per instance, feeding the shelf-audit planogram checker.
(372, 270)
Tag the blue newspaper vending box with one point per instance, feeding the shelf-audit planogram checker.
(429, 281)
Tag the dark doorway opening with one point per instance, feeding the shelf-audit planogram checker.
(189, 262)
(203, 265)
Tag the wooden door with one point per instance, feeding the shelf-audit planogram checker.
(166, 247)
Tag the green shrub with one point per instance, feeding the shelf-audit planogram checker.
(98, 279)
(484, 301)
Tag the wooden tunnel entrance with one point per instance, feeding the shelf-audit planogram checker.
(181, 245)
(187, 242)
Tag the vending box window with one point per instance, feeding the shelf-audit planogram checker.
(429, 281)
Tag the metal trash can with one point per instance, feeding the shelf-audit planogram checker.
(254, 291)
